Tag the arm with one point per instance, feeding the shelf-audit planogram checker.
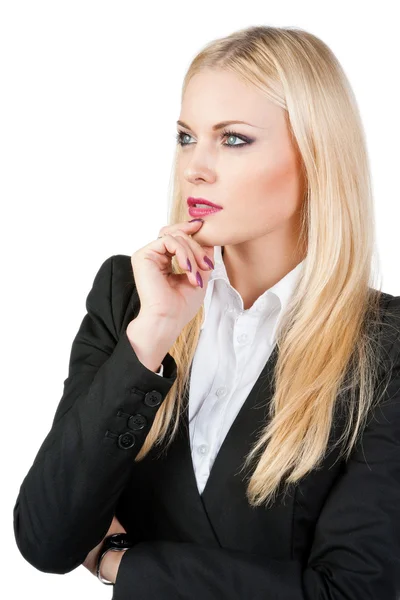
(355, 553)
(110, 565)
(90, 561)
(67, 500)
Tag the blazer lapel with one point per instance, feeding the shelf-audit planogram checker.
(226, 484)
(166, 495)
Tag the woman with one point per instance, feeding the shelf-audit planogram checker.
(261, 460)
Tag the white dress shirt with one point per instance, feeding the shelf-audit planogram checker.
(232, 350)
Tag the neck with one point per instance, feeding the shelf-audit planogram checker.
(254, 267)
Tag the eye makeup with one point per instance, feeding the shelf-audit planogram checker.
(225, 133)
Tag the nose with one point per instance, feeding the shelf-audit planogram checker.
(196, 173)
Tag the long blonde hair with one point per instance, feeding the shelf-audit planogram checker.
(326, 344)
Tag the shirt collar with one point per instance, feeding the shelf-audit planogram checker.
(282, 290)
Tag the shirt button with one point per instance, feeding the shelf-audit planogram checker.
(242, 338)
(203, 449)
(221, 392)
(126, 440)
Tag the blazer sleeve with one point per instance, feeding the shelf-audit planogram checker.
(356, 547)
(67, 500)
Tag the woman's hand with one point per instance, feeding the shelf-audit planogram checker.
(162, 293)
(90, 561)
(110, 564)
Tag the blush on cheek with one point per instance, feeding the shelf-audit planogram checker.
(282, 186)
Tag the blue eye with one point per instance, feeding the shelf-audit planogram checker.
(230, 134)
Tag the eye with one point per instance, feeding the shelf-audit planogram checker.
(230, 134)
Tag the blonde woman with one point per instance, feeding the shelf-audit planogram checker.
(230, 424)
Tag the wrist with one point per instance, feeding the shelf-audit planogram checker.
(163, 330)
(110, 564)
(151, 340)
(110, 555)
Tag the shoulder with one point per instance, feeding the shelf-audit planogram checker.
(390, 324)
(390, 304)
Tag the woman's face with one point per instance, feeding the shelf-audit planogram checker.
(253, 172)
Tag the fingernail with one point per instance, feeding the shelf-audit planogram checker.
(202, 220)
(209, 262)
(189, 265)
(199, 279)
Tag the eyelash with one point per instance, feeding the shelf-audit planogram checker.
(224, 133)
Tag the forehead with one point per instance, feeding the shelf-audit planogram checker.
(214, 95)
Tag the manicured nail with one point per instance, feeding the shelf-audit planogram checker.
(199, 279)
(202, 220)
(189, 265)
(209, 262)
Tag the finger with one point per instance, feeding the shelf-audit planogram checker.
(200, 253)
(179, 247)
(186, 226)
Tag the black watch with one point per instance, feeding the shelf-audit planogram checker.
(117, 541)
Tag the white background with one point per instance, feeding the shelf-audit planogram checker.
(90, 95)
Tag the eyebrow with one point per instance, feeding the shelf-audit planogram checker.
(218, 125)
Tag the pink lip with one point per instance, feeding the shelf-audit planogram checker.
(191, 201)
(202, 212)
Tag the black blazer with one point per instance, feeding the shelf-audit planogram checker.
(336, 536)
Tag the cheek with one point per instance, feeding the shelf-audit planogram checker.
(274, 190)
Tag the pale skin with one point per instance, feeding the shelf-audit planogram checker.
(259, 186)
(111, 561)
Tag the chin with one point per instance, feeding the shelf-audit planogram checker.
(204, 239)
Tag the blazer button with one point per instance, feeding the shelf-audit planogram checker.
(137, 422)
(126, 440)
(153, 398)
